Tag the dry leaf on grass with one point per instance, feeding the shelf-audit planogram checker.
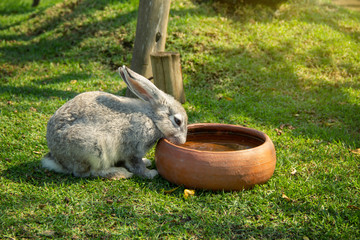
(278, 131)
(41, 206)
(356, 151)
(220, 96)
(286, 125)
(286, 197)
(171, 190)
(48, 233)
(353, 207)
(189, 193)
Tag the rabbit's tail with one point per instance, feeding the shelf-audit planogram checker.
(50, 163)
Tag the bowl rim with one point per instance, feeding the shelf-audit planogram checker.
(255, 133)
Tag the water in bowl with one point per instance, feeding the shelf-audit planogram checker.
(215, 146)
(220, 142)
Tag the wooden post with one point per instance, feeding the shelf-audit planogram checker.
(150, 36)
(35, 3)
(166, 68)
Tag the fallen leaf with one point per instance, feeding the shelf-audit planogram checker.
(109, 201)
(171, 190)
(286, 125)
(220, 96)
(286, 197)
(291, 127)
(278, 131)
(33, 109)
(189, 193)
(48, 233)
(356, 151)
(353, 207)
(41, 206)
(293, 172)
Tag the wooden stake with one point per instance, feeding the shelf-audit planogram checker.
(166, 69)
(35, 3)
(150, 36)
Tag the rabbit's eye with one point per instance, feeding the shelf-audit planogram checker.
(177, 121)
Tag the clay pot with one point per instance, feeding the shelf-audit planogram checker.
(218, 168)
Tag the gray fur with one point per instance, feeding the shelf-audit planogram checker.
(95, 132)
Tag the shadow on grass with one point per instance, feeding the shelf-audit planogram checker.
(15, 7)
(71, 35)
(34, 174)
(67, 77)
(37, 92)
(40, 88)
(19, 7)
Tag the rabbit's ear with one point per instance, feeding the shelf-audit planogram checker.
(139, 85)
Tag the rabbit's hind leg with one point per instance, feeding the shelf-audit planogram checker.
(50, 163)
(78, 169)
(81, 168)
(113, 173)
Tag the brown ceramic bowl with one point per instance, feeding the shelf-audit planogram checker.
(217, 157)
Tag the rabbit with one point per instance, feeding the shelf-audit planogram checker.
(101, 134)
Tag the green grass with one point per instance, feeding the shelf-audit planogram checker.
(290, 71)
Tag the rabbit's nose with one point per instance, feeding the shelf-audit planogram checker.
(178, 140)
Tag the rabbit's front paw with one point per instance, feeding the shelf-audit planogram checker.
(120, 175)
(147, 162)
(114, 173)
(151, 173)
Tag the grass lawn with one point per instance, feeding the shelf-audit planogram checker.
(292, 72)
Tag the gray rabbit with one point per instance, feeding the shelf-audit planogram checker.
(101, 134)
